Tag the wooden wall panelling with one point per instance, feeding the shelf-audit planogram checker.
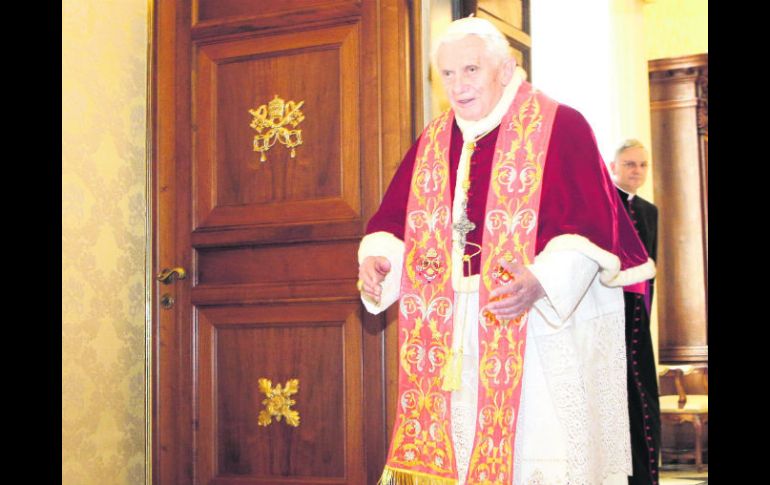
(679, 181)
(513, 13)
(701, 92)
(510, 17)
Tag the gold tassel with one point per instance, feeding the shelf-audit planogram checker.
(452, 371)
(393, 476)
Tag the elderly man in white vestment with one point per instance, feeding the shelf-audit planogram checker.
(504, 243)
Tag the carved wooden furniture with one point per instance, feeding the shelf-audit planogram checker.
(682, 407)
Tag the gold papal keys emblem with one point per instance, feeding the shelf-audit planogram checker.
(273, 121)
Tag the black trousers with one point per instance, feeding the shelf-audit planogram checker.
(643, 402)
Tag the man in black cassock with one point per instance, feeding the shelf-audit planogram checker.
(629, 169)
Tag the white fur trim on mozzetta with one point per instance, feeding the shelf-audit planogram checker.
(380, 244)
(629, 276)
(609, 264)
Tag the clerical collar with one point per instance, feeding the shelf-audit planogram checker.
(630, 196)
(472, 130)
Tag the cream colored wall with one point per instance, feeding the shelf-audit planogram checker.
(672, 28)
(675, 28)
(597, 62)
(437, 14)
(104, 63)
(590, 55)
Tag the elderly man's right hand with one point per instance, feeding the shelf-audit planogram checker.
(371, 272)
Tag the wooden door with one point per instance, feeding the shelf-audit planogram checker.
(269, 246)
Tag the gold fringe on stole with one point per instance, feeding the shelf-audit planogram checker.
(394, 476)
(452, 371)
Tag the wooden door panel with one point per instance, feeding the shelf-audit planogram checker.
(233, 187)
(318, 344)
(310, 77)
(208, 10)
(287, 233)
(316, 262)
(287, 291)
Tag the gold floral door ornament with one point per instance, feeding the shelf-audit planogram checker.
(278, 403)
(271, 122)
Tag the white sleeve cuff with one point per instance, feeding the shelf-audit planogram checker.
(387, 245)
(566, 267)
(609, 264)
(565, 276)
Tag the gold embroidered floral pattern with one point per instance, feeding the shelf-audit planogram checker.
(422, 441)
(510, 225)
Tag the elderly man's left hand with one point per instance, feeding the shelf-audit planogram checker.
(519, 295)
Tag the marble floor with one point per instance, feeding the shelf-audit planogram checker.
(684, 476)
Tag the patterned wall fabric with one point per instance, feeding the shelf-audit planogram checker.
(104, 65)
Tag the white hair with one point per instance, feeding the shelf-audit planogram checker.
(628, 144)
(495, 42)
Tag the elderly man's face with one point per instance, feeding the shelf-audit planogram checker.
(630, 169)
(473, 79)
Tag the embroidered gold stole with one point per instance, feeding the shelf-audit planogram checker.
(421, 449)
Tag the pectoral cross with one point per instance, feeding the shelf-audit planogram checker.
(464, 226)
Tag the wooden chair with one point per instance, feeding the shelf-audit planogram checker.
(685, 408)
